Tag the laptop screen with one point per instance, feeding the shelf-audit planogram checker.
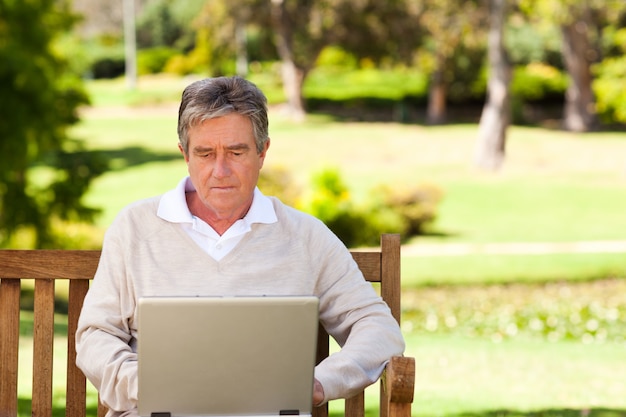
(226, 356)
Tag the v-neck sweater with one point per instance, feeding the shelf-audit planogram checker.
(144, 255)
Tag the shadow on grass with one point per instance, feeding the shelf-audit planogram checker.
(25, 409)
(98, 161)
(551, 412)
(120, 159)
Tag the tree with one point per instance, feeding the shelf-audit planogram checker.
(39, 102)
(496, 114)
(449, 24)
(579, 53)
(302, 29)
(579, 23)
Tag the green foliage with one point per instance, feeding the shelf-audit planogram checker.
(165, 23)
(537, 81)
(610, 83)
(334, 57)
(526, 44)
(277, 181)
(416, 207)
(388, 210)
(154, 60)
(199, 59)
(397, 84)
(329, 200)
(610, 89)
(40, 97)
(104, 58)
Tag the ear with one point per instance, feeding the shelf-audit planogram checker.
(180, 148)
(263, 153)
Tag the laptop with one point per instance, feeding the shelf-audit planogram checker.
(226, 356)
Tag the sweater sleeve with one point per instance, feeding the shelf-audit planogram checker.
(105, 338)
(360, 321)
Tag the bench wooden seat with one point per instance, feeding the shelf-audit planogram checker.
(77, 267)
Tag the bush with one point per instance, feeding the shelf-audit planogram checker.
(105, 58)
(369, 83)
(153, 60)
(537, 81)
(334, 57)
(416, 207)
(389, 210)
(610, 89)
(276, 181)
(108, 67)
(403, 211)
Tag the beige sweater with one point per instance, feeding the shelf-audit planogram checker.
(145, 255)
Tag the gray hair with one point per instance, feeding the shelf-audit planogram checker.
(215, 97)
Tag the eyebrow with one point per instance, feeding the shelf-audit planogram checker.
(235, 147)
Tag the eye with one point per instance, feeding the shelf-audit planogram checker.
(237, 153)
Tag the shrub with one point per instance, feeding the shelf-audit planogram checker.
(404, 211)
(334, 57)
(153, 60)
(416, 207)
(108, 67)
(610, 89)
(105, 57)
(537, 81)
(277, 181)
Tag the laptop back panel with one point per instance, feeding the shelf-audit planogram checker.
(226, 356)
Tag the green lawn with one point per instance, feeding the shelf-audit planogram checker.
(461, 376)
(554, 187)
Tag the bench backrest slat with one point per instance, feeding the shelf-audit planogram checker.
(9, 342)
(43, 339)
(76, 387)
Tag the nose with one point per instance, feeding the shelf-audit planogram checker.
(221, 168)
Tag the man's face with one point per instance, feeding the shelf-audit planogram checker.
(224, 165)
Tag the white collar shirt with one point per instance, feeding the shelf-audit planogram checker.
(173, 208)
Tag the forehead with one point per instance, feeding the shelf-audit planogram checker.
(224, 129)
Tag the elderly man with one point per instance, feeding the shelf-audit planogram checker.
(217, 234)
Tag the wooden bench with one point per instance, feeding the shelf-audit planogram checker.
(48, 267)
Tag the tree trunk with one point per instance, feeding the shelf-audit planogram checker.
(436, 113)
(496, 114)
(293, 76)
(241, 43)
(579, 112)
(130, 44)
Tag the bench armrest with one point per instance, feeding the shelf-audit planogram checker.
(398, 383)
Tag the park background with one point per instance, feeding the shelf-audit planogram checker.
(513, 274)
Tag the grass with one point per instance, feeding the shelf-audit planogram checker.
(458, 376)
(418, 271)
(461, 376)
(554, 187)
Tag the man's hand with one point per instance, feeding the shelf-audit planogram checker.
(318, 393)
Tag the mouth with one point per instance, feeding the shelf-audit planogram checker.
(223, 188)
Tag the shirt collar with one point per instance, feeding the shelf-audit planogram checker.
(173, 206)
